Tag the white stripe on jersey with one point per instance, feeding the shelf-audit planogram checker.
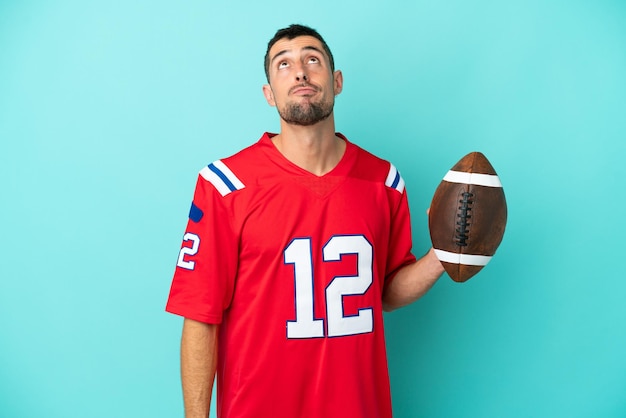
(488, 180)
(224, 180)
(394, 179)
(467, 259)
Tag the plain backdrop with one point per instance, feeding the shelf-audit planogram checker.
(108, 110)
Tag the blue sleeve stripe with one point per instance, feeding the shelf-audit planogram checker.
(394, 179)
(195, 213)
(222, 178)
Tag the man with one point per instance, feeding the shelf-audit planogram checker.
(294, 247)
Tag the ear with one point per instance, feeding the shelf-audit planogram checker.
(338, 81)
(269, 95)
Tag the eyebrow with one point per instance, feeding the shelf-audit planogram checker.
(305, 48)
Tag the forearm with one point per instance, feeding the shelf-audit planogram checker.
(412, 281)
(198, 355)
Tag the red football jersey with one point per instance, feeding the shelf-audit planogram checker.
(292, 265)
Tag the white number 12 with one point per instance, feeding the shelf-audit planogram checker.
(299, 254)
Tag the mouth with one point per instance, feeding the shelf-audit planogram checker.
(303, 90)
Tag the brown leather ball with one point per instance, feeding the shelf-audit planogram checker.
(467, 217)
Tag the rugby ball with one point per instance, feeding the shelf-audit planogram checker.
(467, 217)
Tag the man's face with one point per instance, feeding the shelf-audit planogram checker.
(302, 85)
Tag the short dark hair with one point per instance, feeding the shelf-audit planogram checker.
(291, 32)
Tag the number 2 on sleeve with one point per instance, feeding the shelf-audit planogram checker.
(190, 251)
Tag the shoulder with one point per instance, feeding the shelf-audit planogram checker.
(377, 169)
(221, 177)
(233, 173)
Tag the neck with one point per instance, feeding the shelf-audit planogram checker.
(315, 148)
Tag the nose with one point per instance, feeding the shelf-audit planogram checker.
(301, 75)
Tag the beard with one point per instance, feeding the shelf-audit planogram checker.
(306, 114)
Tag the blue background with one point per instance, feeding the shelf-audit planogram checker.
(108, 109)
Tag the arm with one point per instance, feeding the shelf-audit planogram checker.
(412, 281)
(198, 355)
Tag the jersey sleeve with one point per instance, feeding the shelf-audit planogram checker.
(205, 273)
(400, 236)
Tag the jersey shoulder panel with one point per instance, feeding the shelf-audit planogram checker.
(230, 174)
(221, 177)
(394, 180)
(380, 170)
